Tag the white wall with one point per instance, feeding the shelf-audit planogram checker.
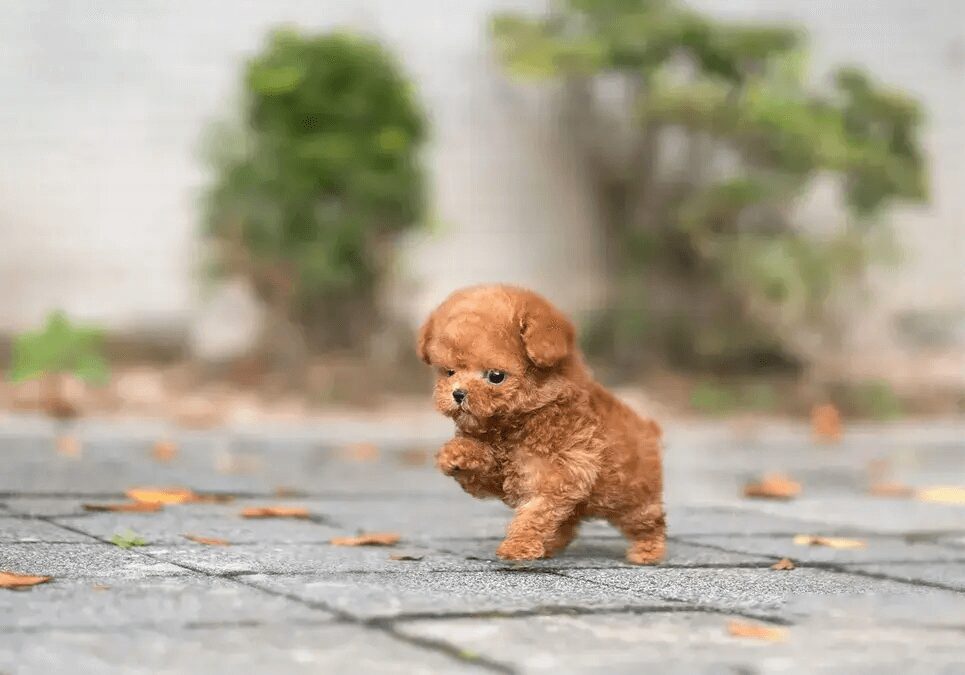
(102, 105)
(100, 121)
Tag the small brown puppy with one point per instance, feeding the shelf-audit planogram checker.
(535, 430)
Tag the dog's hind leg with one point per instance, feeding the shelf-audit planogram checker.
(645, 526)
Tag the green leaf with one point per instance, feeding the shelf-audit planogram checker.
(128, 539)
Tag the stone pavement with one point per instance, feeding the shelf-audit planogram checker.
(282, 599)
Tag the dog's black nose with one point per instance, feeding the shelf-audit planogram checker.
(458, 395)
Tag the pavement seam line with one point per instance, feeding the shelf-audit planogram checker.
(438, 646)
(842, 568)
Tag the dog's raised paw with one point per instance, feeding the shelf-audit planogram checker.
(514, 549)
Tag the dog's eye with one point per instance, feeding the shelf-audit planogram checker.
(450, 372)
(495, 376)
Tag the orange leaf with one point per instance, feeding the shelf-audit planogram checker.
(360, 452)
(756, 631)
(275, 512)
(68, 446)
(830, 542)
(207, 541)
(783, 564)
(125, 507)
(942, 494)
(14, 580)
(164, 451)
(890, 489)
(826, 423)
(370, 539)
(414, 456)
(212, 499)
(773, 486)
(285, 491)
(169, 495)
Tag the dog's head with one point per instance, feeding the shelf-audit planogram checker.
(498, 352)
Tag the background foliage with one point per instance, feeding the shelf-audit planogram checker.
(701, 138)
(322, 174)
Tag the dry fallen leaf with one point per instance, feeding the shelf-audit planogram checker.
(783, 564)
(756, 631)
(370, 539)
(405, 556)
(773, 486)
(164, 451)
(285, 491)
(414, 456)
(14, 580)
(100, 587)
(207, 541)
(68, 446)
(360, 452)
(830, 542)
(275, 512)
(212, 499)
(125, 507)
(156, 495)
(826, 423)
(943, 494)
(890, 489)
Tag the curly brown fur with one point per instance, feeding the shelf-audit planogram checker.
(547, 440)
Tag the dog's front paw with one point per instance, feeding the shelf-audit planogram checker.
(463, 455)
(521, 549)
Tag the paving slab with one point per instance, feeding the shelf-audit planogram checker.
(691, 643)
(219, 521)
(81, 560)
(447, 593)
(603, 552)
(947, 574)
(53, 506)
(305, 558)
(32, 530)
(281, 598)
(160, 602)
(749, 589)
(225, 649)
(876, 548)
(731, 518)
(872, 514)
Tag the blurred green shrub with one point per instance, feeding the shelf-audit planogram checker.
(874, 399)
(701, 137)
(322, 175)
(717, 398)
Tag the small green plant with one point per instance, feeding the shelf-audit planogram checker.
(700, 138)
(59, 349)
(323, 173)
(128, 539)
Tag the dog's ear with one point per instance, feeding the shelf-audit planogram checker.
(548, 336)
(422, 341)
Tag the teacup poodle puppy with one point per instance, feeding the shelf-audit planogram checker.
(535, 430)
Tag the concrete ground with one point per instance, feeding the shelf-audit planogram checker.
(282, 599)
